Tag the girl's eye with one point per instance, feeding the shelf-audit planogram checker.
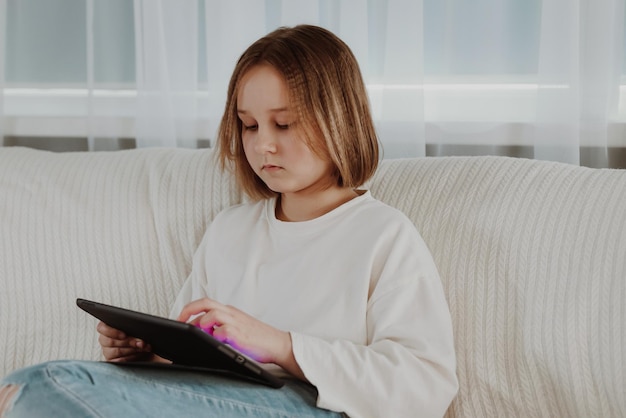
(250, 127)
(279, 126)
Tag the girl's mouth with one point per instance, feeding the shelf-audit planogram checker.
(270, 167)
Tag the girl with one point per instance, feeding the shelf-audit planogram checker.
(313, 277)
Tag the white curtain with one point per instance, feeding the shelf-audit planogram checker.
(166, 45)
(561, 102)
(581, 52)
(2, 59)
(532, 78)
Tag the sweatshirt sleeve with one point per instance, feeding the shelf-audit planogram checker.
(407, 368)
(194, 286)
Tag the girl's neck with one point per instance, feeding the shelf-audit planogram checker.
(292, 207)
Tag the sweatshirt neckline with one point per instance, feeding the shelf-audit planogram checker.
(312, 225)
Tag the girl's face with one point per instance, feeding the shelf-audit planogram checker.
(272, 140)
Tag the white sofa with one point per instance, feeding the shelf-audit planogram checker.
(532, 256)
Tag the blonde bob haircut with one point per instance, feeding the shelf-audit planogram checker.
(327, 96)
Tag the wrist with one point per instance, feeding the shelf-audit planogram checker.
(287, 360)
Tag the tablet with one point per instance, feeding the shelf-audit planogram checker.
(184, 344)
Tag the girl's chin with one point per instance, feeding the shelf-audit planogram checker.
(275, 187)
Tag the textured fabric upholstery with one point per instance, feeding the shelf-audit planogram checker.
(532, 255)
(118, 227)
(533, 259)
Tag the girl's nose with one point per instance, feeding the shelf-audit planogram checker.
(265, 142)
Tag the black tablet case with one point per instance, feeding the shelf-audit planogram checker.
(184, 344)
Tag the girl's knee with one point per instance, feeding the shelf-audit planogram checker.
(12, 386)
(8, 395)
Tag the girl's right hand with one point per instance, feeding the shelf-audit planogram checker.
(118, 347)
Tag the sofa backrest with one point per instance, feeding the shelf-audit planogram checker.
(532, 255)
(118, 227)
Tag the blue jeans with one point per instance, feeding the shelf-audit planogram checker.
(97, 389)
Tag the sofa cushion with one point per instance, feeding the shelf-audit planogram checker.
(533, 259)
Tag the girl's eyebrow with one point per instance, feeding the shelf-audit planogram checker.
(276, 110)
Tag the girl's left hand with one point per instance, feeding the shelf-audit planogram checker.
(243, 332)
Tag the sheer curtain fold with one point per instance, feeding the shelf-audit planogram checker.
(602, 46)
(89, 42)
(558, 80)
(580, 66)
(2, 66)
(166, 45)
(399, 106)
(228, 31)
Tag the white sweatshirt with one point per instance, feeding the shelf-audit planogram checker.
(357, 289)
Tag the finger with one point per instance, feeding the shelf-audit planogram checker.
(126, 351)
(139, 356)
(127, 359)
(126, 342)
(197, 307)
(226, 334)
(111, 337)
(110, 332)
(214, 319)
(119, 354)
